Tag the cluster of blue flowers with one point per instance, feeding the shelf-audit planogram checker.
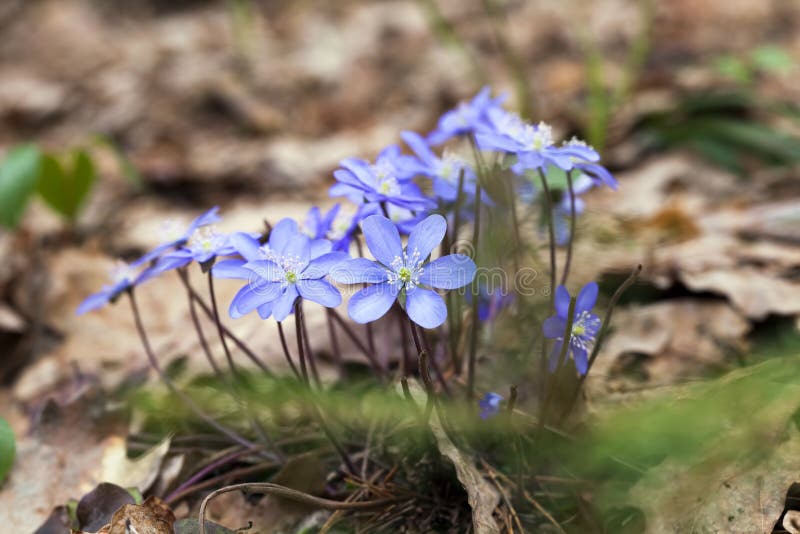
(301, 260)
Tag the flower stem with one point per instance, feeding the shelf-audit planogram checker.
(568, 260)
(199, 329)
(307, 344)
(548, 208)
(561, 357)
(476, 324)
(220, 330)
(235, 437)
(354, 338)
(602, 333)
(335, 347)
(286, 352)
(300, 346)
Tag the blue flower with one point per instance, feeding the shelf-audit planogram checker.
(490, 405)
(124, 276)
(490, 301)
(444, 172)
(596, 172)
(388, 180)
(584, 327)
(532, 146)
(466, 118)
(288, 267)
(563, 211)
(399, 271)
(176, 234)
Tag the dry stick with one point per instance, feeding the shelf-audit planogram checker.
(206, 470)
(173, 388)
(238, 342)
(561, 357)
(544, 512)
(601, 334)
(286, 352)
(215, 481)
(292, 495)
(568, 260)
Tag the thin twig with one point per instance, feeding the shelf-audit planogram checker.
(292, 495)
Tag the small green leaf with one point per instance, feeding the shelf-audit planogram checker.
(733, 68)
(772, 59)
(65, 191)
(7, 448)
(18, 174)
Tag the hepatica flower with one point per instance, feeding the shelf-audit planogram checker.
(388, 180)
(288, 267)
(176, 234)
(533, 147)
(444, 172)
(466, 118)
(123, 276)
(584, 327)
(490, 405)
(403, 272)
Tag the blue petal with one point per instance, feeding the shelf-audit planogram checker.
(418, 145)
(359, 270)
(265, 270)
(554, 327)
(233, 268)
(93, 302)
(245, 245)
(448, 272)
(171, 261)
(382, 238)
(282, 234)
(282, 306)
(425, 307)
(258, 294)
(322, 265)
(265, 310)
(372, 303)
(586, 298)
(299, 250)
(426, 235)
(562, 301)
(320, 247)
(209, 217)
(581, 360)
(319, 291)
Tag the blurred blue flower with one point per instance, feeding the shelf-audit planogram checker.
(388, 180)
(466, 118)
(399, 271)
(123, 276)
(584, 327)
(176, 234)
(289, 266)
(444, 172)
(532, 146)
(562, 211)
(490, 405)
(491, 300)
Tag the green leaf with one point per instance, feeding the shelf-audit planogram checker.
(66, 191)
(18, 174)
(733, 68)
(7, 448)
(772, 59)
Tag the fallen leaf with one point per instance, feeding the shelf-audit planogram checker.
(96, 508)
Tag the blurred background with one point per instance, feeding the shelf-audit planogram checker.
(115, 116)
